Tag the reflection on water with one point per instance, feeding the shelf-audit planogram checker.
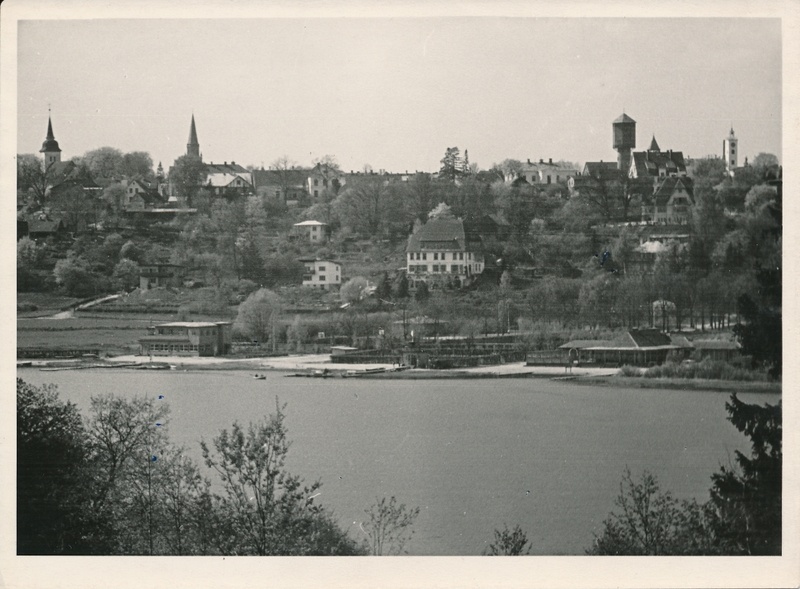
(472, 454)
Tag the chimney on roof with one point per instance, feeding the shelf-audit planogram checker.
(224, 163)
(550, 161)
(529, 160)
(541, 161)
(233, 163)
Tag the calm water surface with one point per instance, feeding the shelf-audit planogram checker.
(472, 454)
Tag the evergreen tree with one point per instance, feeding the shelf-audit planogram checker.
(401, 287)
(747, 498)
(452, 164)
(384, 289)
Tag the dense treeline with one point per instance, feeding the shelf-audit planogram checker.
(113, 483)
(561, 258)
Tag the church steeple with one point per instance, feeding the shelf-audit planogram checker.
(50, 149)
(193, 147)
(654, 145)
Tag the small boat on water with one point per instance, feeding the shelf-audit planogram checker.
(153, 366)
(260, 376)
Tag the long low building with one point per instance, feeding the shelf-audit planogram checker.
(187, 338)
(638, 347)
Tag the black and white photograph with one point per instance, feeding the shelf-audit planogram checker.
(398, 281)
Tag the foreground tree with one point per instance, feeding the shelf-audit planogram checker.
(743, 516)
(269, 510)
(389, 527)
(509, 543)
(747, 496)
(650, 522)
(128, 439)
(55, 509)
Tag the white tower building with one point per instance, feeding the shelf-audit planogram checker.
(730, 148)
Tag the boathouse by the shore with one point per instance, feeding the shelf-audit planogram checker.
(187, 338)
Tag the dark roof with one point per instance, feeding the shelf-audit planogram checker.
(45, 225)
(150, 196)
(716, 344)
(647, 338)
(225, 168)
(443, 231)
(279, 177)
(623, 118)
(164, 338)
(649, 163)
(669, 186)
(635, 339)
(50, 143)
(323, 260)
(654, 145)
(485, 225)
(582, 344)
(680, 340)
(325, 171)
(602, 170)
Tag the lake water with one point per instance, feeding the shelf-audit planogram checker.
(472, 454)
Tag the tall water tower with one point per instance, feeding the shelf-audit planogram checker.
(624, 140)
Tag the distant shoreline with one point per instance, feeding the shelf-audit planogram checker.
(699, 384)
(314, 366)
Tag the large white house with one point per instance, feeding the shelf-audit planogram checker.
(440, 254)
(323, 274)
(546, 172)
(311, 231)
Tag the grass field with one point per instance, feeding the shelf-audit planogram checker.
(42, 303)
(117, 333)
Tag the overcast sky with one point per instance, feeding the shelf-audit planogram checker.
(394, 93)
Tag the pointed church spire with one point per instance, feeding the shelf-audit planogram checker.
(50, 148)
(654, 145)
(193, 147)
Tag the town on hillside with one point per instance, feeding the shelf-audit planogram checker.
(648, 257)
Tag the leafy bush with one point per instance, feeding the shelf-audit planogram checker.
(708, 369)
(630, 371)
